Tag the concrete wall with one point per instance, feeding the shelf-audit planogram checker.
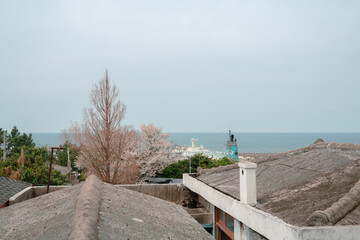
(264, 225)
(254, 235)
(25, 194)
(38, 191)
(175, 193)
(31, 192)
(203, 218)
(204, 202)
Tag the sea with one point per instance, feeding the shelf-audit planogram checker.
(247, 142)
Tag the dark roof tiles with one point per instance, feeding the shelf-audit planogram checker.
(10, 187)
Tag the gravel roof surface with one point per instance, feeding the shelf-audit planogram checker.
(140, 216)
(120, 214)
(294, 184)
(45, 217)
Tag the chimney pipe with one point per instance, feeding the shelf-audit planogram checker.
(247, 182)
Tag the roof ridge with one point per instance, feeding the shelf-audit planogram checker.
(316, 145)
(85, 219)
(338, 210)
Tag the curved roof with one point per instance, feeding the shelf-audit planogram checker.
(95, 210)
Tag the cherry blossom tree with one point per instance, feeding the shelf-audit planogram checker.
(154, 152)
(107, 146)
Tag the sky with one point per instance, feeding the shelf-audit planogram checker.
(185, 65)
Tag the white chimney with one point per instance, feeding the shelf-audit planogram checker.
(247, 182)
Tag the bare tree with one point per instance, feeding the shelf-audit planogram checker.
(106, 145)
(128, 172)
(154, 153)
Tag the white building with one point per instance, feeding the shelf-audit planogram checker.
(309, 193)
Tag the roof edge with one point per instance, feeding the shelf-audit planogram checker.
(316, 145)
(337, 210)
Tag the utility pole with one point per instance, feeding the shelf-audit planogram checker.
(51, 159)
(189, 164)
(4, 157)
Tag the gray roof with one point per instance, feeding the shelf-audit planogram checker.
(101, 210)
(64, 170)
(294, 184)
(10, 187)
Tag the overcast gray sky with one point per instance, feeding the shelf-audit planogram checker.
(186, 66)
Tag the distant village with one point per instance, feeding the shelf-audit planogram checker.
(306, 193)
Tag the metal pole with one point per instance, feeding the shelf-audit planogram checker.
(51, 158)
(4, 156)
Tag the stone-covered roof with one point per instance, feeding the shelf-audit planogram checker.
(64, 170)
(295, 184)
(95, 210)
(10, 187)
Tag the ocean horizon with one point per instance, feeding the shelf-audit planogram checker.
(247, 142)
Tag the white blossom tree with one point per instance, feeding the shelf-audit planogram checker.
(154, 152)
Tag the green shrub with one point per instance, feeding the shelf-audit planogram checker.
(36, 168)
(176, 170)
(82, 177)
(62, 155)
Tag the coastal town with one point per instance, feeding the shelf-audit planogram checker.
(306, 193)
(182, 120)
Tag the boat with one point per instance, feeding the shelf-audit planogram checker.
(188, 151)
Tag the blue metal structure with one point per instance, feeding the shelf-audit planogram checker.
(232, 150)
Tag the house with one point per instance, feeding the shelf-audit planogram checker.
(307, 193)
(96, 210)
(70, 176)
(10, 187)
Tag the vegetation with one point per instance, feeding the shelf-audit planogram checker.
(154, 151)
(16, 141)
(112, 150)
(62, 156)
(106, 144)
(33, 167)
(151, 155)
(176, 170)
